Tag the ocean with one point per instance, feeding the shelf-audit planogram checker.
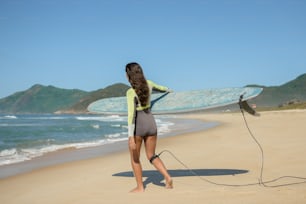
(29, 136)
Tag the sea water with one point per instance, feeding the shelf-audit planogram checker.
(24, 137)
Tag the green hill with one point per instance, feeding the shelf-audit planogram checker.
(40, 99)
(50, 99)
(291, 92)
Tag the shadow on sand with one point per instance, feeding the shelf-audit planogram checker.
(153, 176)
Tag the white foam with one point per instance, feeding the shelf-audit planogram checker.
(48, 118)
(96, 126)
(113, 135)
(10, 117)
(7, 117)
(8, 152)
(101, 118)
(11, 156)
(163, 127)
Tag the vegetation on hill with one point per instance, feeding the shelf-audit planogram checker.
(50, 99)
(295, 106)
(40, 99)
(277, 96)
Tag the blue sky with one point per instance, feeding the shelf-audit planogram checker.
(183, 44)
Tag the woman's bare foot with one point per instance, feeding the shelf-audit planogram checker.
(169, 184)
(137, 190)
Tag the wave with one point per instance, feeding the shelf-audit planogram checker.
(111, 136)
(164, 127)
(11, 156)
(34, 117)
(111, 118)
(47, 118)
(8, 117)
(19, 125)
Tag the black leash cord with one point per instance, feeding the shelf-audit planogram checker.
(268, 183)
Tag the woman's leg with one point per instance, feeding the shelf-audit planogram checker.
(136, 165)
(150, 145)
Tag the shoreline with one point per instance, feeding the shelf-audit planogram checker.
(181, 126)
(224, 154)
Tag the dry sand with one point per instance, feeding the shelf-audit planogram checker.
(225, 154)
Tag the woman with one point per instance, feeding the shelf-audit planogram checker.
(141, 124)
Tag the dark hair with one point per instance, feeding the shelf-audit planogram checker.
(138, 82)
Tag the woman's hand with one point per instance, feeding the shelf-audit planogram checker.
(132, 143)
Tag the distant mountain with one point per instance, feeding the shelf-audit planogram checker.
(292, 91)
(50, 99)
(40, 99)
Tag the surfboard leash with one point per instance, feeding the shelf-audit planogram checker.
(261, 181)
(244, 107)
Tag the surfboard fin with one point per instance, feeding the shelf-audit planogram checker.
(245, 106)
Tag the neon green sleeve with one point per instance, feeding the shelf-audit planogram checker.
(155, 86)
(130, 95)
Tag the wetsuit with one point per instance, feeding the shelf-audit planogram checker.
(140, 119)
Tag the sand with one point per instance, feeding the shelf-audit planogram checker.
(225, 154)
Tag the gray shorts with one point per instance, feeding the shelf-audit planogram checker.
(145, 124)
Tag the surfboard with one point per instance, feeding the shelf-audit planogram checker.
(179, 102)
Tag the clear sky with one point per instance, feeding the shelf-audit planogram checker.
(183, 44)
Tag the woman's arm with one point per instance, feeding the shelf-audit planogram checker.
(130, 95)
(157, 86)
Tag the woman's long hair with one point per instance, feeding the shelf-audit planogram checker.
(138, 82)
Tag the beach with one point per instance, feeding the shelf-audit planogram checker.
(225, 163)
